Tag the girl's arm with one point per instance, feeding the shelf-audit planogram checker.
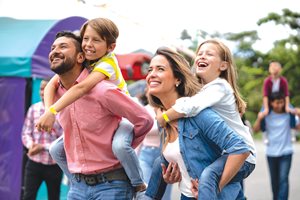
(219, 133)
(191, 106)
(297, 112)
(50, 90)
(232, 166)
(287, 106)
(266, 105)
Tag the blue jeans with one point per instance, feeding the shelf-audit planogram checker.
(111, 190)
(147, 158)
(236, 194)
(183, 197)
(57, 152)
(279, 168)
(157, 186)
(122, 149)
(211, 175)
(208, 181)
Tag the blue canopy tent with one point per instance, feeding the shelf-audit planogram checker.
(25, 45)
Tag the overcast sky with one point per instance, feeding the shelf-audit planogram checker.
(149, 24)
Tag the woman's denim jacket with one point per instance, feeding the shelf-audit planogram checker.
(202, 139)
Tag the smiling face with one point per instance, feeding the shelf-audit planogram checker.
(161, 81)
(94, 46)
(63, 54)
(275, 69)
(208, 62)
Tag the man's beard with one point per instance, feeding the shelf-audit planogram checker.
(63, 67)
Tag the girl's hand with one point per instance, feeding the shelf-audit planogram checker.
(46, 122)
(160, 118)
(260, 115)
(195, 184)
(297, 111)
(172, 173)
(265, 112)
(290, 110)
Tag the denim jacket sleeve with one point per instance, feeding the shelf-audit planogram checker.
(215, 129)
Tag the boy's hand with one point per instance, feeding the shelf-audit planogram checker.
(195, 184)
(172, 173)
(46, 122)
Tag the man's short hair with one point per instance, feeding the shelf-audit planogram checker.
(69, 34)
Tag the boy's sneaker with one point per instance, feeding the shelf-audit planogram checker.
(140, 191)
(140, 195)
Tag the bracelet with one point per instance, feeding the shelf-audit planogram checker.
(52, 110)
(165, 116)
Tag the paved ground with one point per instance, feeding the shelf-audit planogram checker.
(257, 185)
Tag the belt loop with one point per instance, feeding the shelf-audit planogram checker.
(104, 179)
(77, 177)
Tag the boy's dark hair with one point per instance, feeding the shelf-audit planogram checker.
(69, 34)
(276, 96)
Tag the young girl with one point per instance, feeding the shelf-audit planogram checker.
(216, 71)
(98, 41)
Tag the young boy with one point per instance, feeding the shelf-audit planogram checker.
(279, 151)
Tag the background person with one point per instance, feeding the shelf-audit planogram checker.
(150, 148)
(279, 150)
(275, 82)
(40, 166)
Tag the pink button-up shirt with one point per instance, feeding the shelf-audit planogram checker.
(90, 123)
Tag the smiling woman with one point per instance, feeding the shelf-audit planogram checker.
(190, 143)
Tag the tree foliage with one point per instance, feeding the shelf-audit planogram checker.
(252, 65)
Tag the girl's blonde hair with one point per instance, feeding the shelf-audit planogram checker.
(230, 74)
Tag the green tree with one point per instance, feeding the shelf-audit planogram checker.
(252, 65)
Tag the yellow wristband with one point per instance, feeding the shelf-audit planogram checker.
(52, 110)
(166, 118)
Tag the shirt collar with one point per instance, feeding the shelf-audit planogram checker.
(80, 78)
